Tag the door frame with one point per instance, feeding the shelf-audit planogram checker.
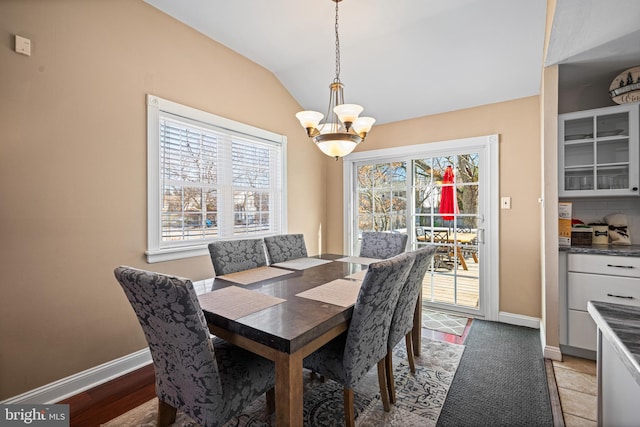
(488, 147)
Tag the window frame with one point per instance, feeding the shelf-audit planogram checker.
(157, 251)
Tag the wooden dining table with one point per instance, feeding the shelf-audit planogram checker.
(288, 330)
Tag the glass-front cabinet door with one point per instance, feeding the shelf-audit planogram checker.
(598, 152)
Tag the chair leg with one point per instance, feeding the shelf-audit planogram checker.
(349, 415)
(166, 414)
(382, 380)
(390, 381)
(412, 365)
(271, 401)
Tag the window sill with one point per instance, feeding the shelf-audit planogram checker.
(170, 254)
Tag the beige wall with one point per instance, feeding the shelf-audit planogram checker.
(549, 218)
(73, 170)
(518, 124)
(73, 173)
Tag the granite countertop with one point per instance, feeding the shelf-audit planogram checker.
(620, 325)
(617, 250)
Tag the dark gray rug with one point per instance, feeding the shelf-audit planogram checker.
(501, 380)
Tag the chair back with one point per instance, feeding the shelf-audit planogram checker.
(366, 342)
(402, 321)
(174, 325)
(231, 256)
(284, 247)
(382, 244)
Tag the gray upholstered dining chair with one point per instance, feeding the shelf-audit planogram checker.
(207, 378)
(402, 321)
(382, 244)
(231, 256)
(284, 247)
(347, 358)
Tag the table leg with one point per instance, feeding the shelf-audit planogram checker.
(463, 263)
(416, 332)
(289, 390)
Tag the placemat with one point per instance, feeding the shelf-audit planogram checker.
(233, 302)
(340, 292)
(358, 260)
(254, 275)
(357, 276)
(301, 263)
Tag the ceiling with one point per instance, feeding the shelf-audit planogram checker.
(411, 58)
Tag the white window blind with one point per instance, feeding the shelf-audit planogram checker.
(209, 178)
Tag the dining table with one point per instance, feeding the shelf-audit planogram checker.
(286, 311)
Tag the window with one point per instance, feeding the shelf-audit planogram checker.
(209, 178)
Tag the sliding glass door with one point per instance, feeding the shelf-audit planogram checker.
(382, 198)
(446, 214)
(438, 197)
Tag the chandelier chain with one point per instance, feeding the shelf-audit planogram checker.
(337, 79)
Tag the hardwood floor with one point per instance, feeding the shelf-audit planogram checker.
(105, 402)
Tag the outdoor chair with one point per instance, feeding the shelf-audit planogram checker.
(231, 256)
(284, 247)
(347, 358)
(205, 377)
(382, 245)
(402, 322)
(471, 249)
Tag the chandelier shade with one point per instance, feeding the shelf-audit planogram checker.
(343, 128)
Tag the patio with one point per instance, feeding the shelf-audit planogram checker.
(439, 285)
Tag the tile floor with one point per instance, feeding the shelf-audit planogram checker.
(576, 381)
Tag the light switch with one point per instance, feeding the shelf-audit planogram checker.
(23, 45)
(505, 203)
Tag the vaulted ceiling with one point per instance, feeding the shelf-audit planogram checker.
(411, 58)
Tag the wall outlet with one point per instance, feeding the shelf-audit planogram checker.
(505, 203)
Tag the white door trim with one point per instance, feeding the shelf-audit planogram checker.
(489, 173)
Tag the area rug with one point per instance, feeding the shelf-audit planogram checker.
(420, 397)
(443, 322)
(501, 380)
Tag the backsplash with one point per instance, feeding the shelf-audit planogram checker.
(595, 209)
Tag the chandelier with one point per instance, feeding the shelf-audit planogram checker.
(342, 129)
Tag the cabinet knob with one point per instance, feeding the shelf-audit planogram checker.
(634, 189)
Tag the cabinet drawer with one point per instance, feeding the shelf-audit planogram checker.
(583, 332)
(582, 288)
(605, 264)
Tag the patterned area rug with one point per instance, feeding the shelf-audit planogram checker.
(443, 322)
(420, 397)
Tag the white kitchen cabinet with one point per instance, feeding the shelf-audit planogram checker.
(618, 373)
(618, 391)
(606, 278)
(598, 152)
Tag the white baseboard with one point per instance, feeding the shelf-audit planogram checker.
(77, 383)
(519, 320)
(553, 353)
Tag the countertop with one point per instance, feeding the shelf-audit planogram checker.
(617, 250)
(620, 325)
